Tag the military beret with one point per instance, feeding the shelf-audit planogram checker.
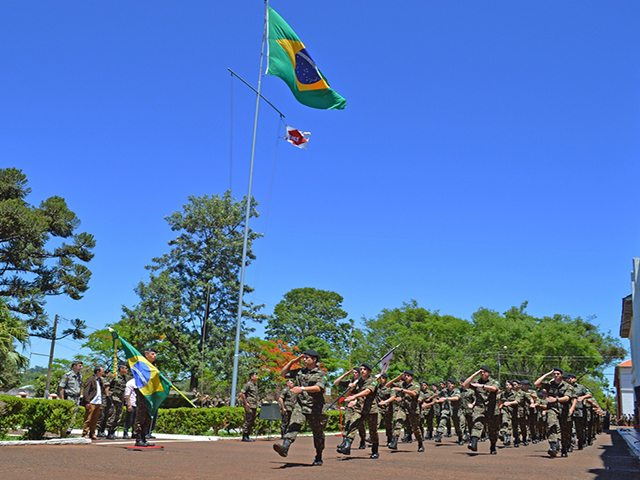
(526, 382)
(434, 384)
(571, 375)
(557, 369)
(424, 382)
(508, 382)
(356, 369)
(150, 350)
(516, 381)
(384, 375)
(408, 372)
(123, 365)
(311, 353)
(451, 380)
(367, 366)
(485, 368)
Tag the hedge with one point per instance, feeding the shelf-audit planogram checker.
(38, 416)
(35, 416)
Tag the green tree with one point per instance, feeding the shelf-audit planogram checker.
(12, 332)
(206, 256)
(35, 260)
(431, 344)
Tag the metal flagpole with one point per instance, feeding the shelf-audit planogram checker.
(234, 381)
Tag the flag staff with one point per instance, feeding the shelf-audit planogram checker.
(234, 381)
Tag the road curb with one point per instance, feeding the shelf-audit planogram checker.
(55, 441)
(632, 437)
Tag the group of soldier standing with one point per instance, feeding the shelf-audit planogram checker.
(559, 410)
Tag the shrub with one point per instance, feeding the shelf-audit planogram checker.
(36, 416)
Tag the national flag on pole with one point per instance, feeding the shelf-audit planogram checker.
(152, 384)
(288, 59)
(384, 363)
(296, 137)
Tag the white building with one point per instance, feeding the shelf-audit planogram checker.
(624, 389)
(630, 328)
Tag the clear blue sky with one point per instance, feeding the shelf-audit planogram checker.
(487, 155)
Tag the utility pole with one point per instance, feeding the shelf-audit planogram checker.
(53, 346)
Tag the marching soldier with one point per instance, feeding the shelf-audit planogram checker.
(450, 401)
(362, 398)
(384, 397)
(507, 404)
(485, 410)
(558, 393)
(467, 401)
(426, 409)
(342, 383)
(579, 414)
(310, 384)
(407, 412)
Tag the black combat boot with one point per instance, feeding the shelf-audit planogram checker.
(317, 462)
(516, 442)
(111, 436)
(570, 449)
(466, 437)
(553, 449)
(283, 450)
(363, 445)
(492, 449)
(563, 452)
(247, 438)
(374, 451)
(394, 443)
(438, 438)
(507, 441)
(580, 445)
(460, 440)
(407, 438)
(448, 433)
(420, 447)
(473, 445)
(501, 435)
(100, 434)
(125, 434)
(344, 440)
(346, 449)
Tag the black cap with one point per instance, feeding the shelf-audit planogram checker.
(367, 366)
(121, 365)
(526, 382)
(571, 375)
(516, 381)
(408, 372)
(312, 353)
(558, 369)
(384, 375)
(451, 380)
(434, 384)
(150, 350)
(485, 368)
(424, 382)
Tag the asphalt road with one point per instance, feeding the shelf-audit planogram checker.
(608, 459)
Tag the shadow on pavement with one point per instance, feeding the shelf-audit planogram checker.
(618, 460)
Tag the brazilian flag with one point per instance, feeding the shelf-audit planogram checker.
(289, 59)
(152, 384)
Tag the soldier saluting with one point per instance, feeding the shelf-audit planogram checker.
(310, 384)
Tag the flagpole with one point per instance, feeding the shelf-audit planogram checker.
(234, 381)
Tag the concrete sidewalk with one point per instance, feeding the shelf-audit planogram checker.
(632, 437)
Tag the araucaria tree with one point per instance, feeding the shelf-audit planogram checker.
(206, 256)
(41, 252)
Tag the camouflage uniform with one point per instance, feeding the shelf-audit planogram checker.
(466, 414)
(486, 411)
(385, 412)
(365, 410)
(250, 391)
(555, 413)
(349, 412)
(580, 415)
(116, 392)
(308, 406)
(408, 412)
(449, 413)
(72, 384)
(507, 412)
(288, 399)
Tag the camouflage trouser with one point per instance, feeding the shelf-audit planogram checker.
(350, 416)
(357, 423)
(249, 420)
(429, 419)
(506, 427)
(385, 418)
(114, 416)
(468, 421)
(75, 400)
(104, 413)
(463, 421)
(317, 422)
(480, 418)
(553, 425)
(531, 422)
(286, 417)
(446, 418)
(566, 430)
(522, 426)
(142, 422)
(404, 419)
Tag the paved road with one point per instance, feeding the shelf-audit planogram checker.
(608, 459)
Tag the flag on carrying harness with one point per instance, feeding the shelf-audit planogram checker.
(152, 384)
(296, 137)
(386, 360)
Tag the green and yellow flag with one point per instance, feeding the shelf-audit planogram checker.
(152, 384)
(289, 59)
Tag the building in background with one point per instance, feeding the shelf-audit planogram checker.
(624, 389)
(630, 328)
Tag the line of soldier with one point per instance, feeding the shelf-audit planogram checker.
(476, 407)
